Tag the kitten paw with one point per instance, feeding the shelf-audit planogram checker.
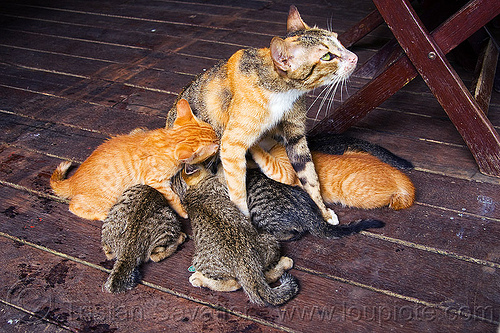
(333, 218)
(196, 279)
(286, 263)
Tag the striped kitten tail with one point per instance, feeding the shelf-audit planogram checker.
(123, 277)
(337, 231)
(258, 290)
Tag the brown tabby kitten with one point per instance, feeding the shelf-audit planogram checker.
(142, 157)
(139, 226)
(287, 212)
(229, 252)
(354, 179)
(261, 92)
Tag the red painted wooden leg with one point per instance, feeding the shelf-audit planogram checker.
(476, 130)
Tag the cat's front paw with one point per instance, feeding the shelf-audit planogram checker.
(331, 217)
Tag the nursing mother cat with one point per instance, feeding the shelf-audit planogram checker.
(260, 92)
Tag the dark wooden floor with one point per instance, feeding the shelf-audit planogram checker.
(72, 73)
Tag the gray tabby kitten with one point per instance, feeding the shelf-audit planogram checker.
(287, 212)
(259, 92)
(140, 225)
(229, 252)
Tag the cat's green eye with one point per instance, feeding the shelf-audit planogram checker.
(328, 56)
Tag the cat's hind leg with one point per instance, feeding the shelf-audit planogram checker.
(161, 252)
(199, 280)
(108, 251)
(284, 264)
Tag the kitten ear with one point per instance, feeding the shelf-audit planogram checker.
(294, 21)
(184, 153)
(279, 53)
(184, 112)
(190, 169)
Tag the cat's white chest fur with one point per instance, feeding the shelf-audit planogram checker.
(280, 103)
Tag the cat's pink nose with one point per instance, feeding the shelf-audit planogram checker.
(353, 59)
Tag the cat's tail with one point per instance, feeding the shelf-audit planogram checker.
(341, 230)
(404, 196)
(123, 277)
(59, 184)
(337, 144)
(259, 291)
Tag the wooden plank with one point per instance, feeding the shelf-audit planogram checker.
(106, 28)
(47, 137)
(77, 66)
(210, 49)
(412, 126)
(18, 84)
(14, 320)
(79, 48)
(88, 117)
(173, 273)
(64, 292)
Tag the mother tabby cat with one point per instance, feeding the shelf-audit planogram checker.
(260, 92)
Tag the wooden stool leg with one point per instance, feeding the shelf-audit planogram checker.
(462, 109)
(361, 29)
(374, 93)
(482, 85)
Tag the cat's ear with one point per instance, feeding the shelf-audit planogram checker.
(190, 169)
(184, 153)
(184, 113)
(294, 21)
(279, 53)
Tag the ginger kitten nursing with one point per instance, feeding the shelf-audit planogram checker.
(355, 179)
(142, 157)
(260, 92)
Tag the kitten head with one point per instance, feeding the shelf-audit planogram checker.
(311, 56)
(190, 175)
(200, 140)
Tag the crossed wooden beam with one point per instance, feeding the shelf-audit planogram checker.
(424, 54)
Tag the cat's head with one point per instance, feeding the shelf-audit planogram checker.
(189, 176)
(199, 140)
(312, 57)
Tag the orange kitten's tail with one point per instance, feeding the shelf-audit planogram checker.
(404, 196)
(59, 184)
